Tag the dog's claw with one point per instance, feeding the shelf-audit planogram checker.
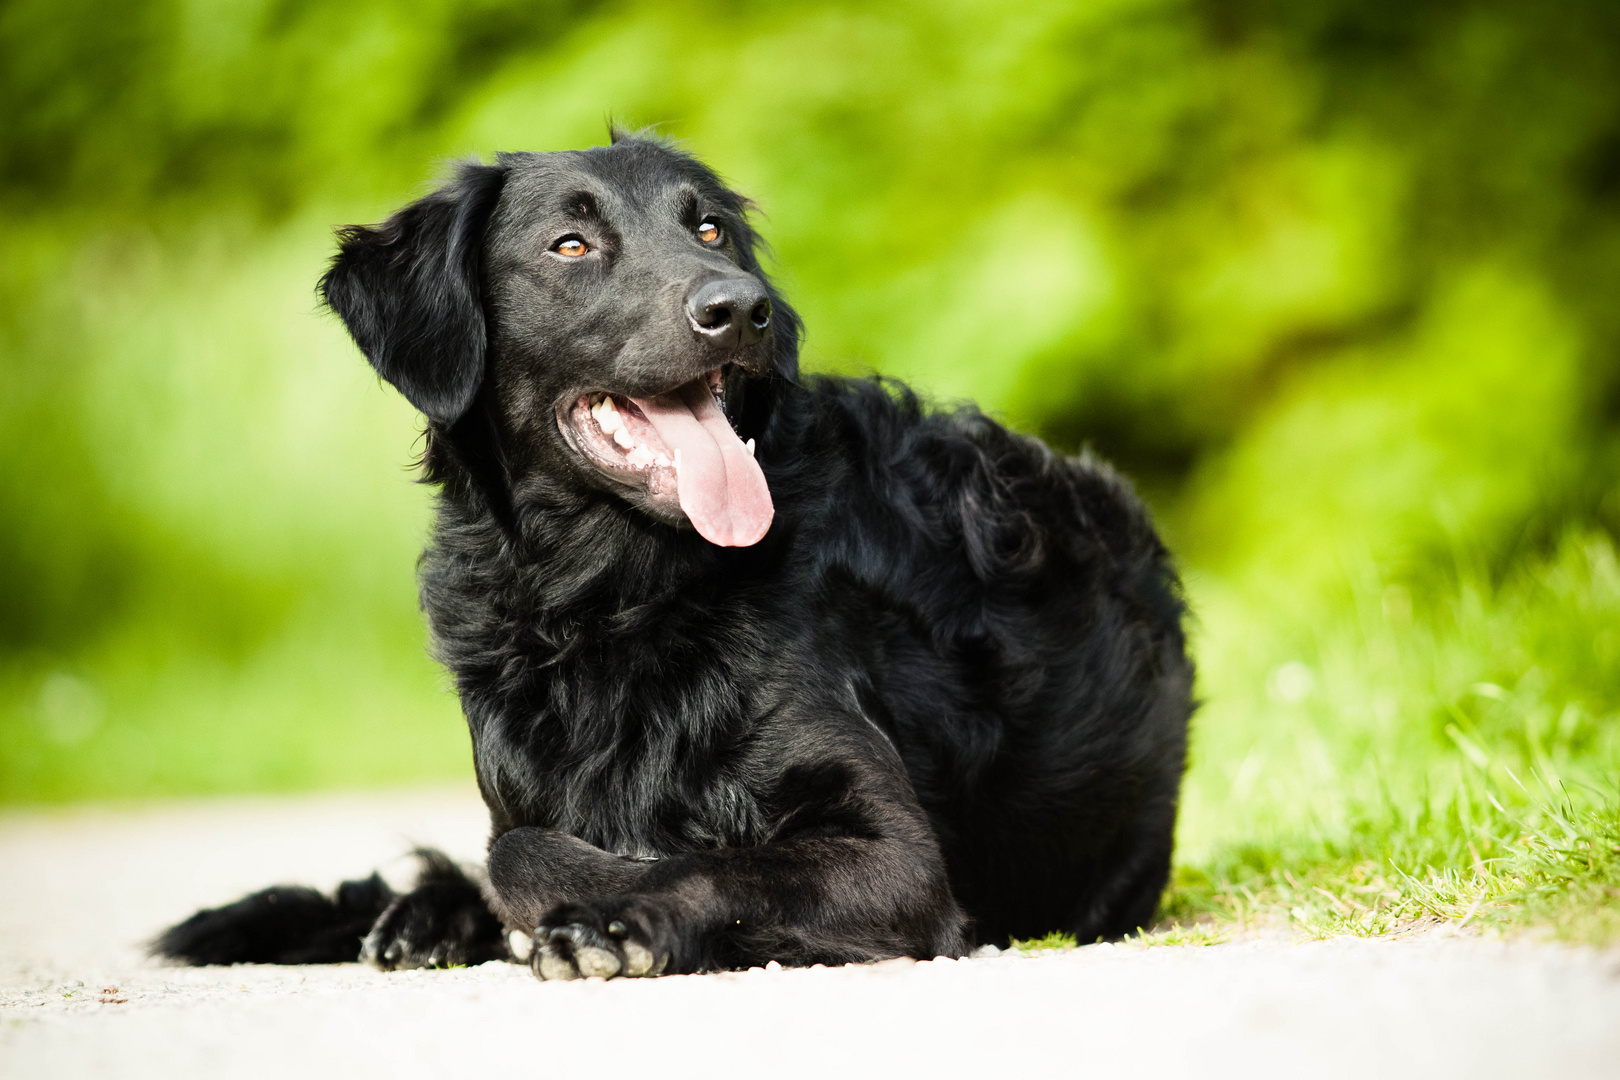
(572, 951)
(581, 947)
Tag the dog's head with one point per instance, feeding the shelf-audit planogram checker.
(605, 306)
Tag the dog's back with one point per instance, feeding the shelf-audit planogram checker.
(1020, 625)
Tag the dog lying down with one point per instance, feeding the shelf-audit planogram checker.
(757, 666)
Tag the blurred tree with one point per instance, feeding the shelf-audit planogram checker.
(1333, 280)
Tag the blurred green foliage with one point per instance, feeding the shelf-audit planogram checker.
(1336, 281)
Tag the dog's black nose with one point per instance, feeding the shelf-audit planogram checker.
(730, 312)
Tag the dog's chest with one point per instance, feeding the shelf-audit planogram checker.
(626, 716)
(639, 744)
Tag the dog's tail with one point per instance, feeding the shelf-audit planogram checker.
(284, 924)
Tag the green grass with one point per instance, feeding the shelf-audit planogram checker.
(1055, 940)
(1403, 760)
(1549, 868)
(1549, 871)
(1443, 759)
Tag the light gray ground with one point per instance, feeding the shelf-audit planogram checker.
(82, 888)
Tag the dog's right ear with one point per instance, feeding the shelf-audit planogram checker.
(408, 290)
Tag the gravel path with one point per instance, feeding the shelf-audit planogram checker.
(77, 999)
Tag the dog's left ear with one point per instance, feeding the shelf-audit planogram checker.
(409, 292)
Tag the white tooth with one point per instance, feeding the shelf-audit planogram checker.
(750, 445)
(622, 436)
(661, 461)
(677, 461)
(640, 457)
(607, 417)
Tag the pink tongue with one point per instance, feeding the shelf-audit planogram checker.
(720, 484)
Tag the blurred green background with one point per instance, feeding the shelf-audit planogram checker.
(1337, 282)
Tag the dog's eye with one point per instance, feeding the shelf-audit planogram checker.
(708, 232)
(571, 246)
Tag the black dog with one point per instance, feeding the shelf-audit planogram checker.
(757, 667)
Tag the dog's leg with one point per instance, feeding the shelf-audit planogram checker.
(814, 899)
(532, 871)
(442, 922)
(285, 924)
(826, 900)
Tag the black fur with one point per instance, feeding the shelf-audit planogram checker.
(441, 922)
(285, 924)
(945, 698)
(408, 292)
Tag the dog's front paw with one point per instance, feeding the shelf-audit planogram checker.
(425, 928)
(623, 935)
(443, 922)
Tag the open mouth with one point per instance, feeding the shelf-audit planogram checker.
(680, 448)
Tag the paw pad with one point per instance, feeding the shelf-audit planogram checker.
(576, 950)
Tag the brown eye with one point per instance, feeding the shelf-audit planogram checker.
(708, 232)
(572, 247)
